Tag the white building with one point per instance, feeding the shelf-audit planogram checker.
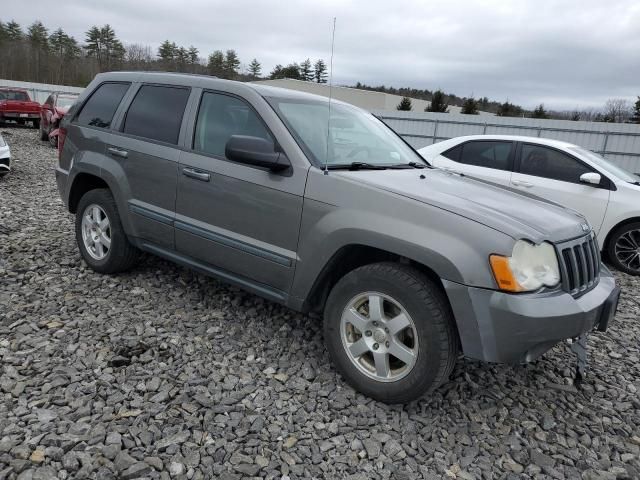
(366, 99)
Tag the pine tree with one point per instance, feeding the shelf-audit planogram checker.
(508, 109)
(575, 115)
(38, 38)
(193, 55)
(320, 71)
(635, 118)
(405, 104)
(470, 106)
(306, 71)
(103, 44)
(13, 30)
(167, 53)
(539, 112)
(438, 103)
(215, 66)
(255, 69)
(231, 64)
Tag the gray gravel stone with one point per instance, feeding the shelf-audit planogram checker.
(219, 383)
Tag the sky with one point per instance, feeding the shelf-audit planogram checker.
(566, 54)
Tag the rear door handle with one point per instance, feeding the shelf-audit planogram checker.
(191, 173)
(522, 183)
(116, 152)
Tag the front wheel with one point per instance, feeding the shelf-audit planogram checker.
(390, 332)
(101, 239)
(623, 248)
(35, 123)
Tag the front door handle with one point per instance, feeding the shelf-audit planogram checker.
(522, 183)
(116, 152)
(191, 173)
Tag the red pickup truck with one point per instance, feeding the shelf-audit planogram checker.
(16, 105)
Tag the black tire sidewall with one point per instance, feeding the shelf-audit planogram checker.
(425, 373)
(611, 247)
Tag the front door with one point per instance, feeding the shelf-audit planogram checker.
(489, 160)
(243, 220)
(555, 175)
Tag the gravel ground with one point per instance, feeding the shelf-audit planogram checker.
(164, 373)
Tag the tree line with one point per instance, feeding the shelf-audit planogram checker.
(36, 54)
(40, 55)
(615, 110)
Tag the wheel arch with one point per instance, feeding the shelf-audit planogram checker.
(348, 258)
(607, 239)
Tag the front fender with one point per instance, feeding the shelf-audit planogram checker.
(455, 248)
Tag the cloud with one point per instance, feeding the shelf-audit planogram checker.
(563, 53)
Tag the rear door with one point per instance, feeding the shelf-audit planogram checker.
(555, 175)
(490, 160)
(145, 148)
(239, 218)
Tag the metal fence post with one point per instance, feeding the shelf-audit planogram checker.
(539, 131)
(435, 131)
(604, 144)
(484, 130)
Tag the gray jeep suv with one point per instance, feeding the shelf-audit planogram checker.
(324, 209)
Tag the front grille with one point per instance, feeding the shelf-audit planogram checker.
(579, 264)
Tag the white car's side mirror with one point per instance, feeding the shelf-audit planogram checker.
(591, 177)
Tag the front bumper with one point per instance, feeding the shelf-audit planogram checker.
(516, 328)
(20, 115)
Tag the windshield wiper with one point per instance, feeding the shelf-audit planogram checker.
(356, 166)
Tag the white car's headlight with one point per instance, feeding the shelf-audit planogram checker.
(528, 268)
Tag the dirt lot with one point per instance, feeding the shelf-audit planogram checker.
(164, 373)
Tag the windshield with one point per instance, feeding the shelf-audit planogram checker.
(605, 164)
(64, 102)
(354, 135)
(14, 95)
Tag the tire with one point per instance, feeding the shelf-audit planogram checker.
(431, 335)
(35, 123)
(44, 136)
(620, 248)
(120, 254)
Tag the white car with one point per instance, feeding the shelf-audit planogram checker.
(607, 195)
(5, 157)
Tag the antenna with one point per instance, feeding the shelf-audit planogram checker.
(326, 157)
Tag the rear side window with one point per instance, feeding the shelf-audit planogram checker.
(221, 116)
(550, 163)
(486, 154)
(156, 113)
(102, 105)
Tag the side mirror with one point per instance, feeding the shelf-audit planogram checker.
(255, 151)
(591, 177)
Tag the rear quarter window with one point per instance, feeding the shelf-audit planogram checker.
(98, 111)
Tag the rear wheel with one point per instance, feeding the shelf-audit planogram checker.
(390, 332)
(43, 134)
(35, 123)
(623, 248)
(100, 236)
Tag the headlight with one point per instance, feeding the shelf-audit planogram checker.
(528, 268)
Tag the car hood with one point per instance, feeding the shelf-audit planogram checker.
(503, 209)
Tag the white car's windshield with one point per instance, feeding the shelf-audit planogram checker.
(605, 164)
(354, 135)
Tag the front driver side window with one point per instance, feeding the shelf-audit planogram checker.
(221, 116)
(547, 162)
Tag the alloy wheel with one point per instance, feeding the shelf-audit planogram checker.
(627, 250)
(379, 336)
(96, 232)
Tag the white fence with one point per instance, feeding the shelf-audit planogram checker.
(40, 91)
(618, 142)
